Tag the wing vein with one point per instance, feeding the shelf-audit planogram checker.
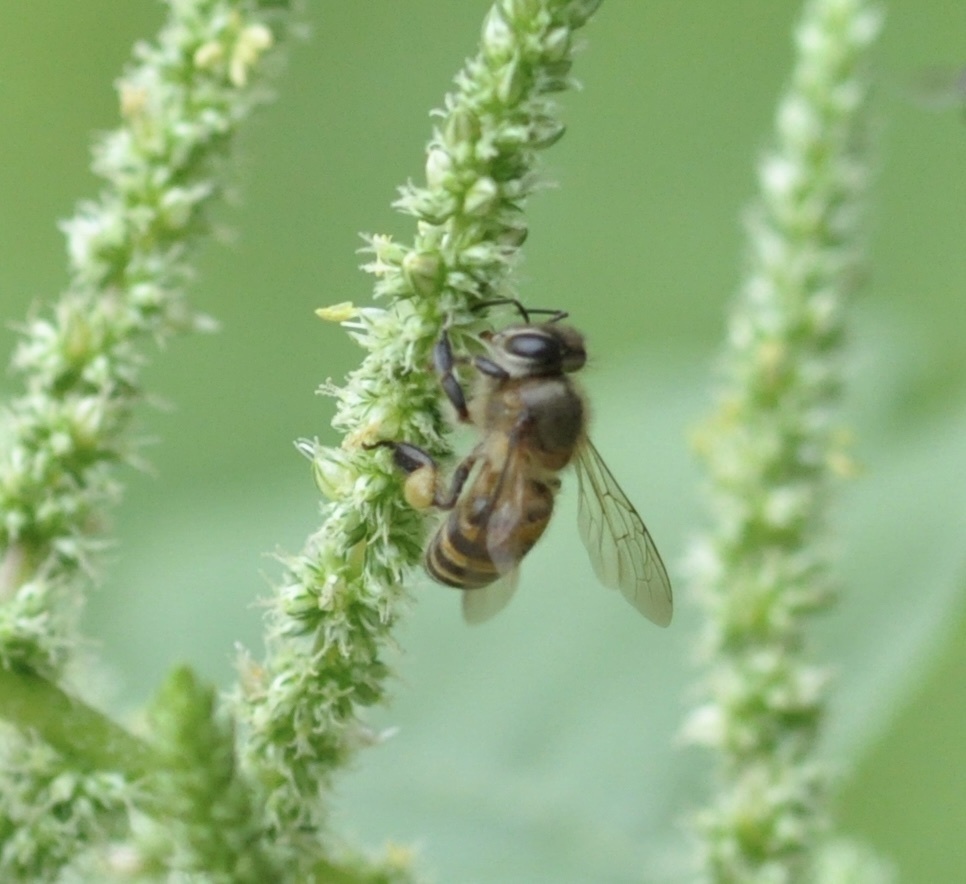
(621, 548)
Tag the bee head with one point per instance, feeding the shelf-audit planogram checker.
(537, 350)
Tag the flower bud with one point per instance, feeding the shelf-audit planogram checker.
(424, 271)
(209, 55)
(512, 82)
(460, 135)
(439, 169)
(581, 10)
(341, 312)
(498, 39)
(482, 197)
(522, 11)
(434, 207)
(546, 132)
(556, 44)
(387, 251)
(513, 235)
(332, 474)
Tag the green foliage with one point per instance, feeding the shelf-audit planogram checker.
(53, 812)
(542, 747)
(772, 454)
(206, 822)
(64, 437)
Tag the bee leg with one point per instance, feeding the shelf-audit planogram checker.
(460, 475)
(443, 362)
(407, 457)
(422, 472)
(422, 475)
(490, 368)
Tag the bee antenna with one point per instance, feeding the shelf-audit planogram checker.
(555, 315)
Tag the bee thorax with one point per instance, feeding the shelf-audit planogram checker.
(555, 413)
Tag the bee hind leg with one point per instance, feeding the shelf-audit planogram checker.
(423, 475)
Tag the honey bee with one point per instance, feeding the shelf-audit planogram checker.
(532, 422)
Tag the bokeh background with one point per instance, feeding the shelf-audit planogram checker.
(542, 747)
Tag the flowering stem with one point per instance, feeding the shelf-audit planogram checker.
(63, 438)
(68, 775)
(772, 454)
(331, 622)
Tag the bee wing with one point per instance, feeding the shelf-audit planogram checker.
(487, 601)
(505, 505)
(506, 511)
(621, 549)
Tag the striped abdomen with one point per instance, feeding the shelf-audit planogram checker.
(484, 538)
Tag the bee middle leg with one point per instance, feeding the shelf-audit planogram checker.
(422, 489)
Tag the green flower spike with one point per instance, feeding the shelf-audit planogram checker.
(331, 621)
(772, 453)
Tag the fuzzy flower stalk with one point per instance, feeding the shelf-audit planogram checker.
(62, 440)
(773, 453)
(66, 771)
(331, 621)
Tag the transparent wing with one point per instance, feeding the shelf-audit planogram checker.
(504, 540)
(481, 604)
(621, 550)
(503, 509)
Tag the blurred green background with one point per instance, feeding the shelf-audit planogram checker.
(541, 747)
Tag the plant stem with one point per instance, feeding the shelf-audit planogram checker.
(773, 452)
(63, 439)
(331, 622)
(87, 739)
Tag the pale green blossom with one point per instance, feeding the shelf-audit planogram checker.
(773, 449)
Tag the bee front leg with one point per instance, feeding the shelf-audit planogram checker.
(443, 363)
(423, 476)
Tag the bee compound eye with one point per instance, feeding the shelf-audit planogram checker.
(534, 347)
